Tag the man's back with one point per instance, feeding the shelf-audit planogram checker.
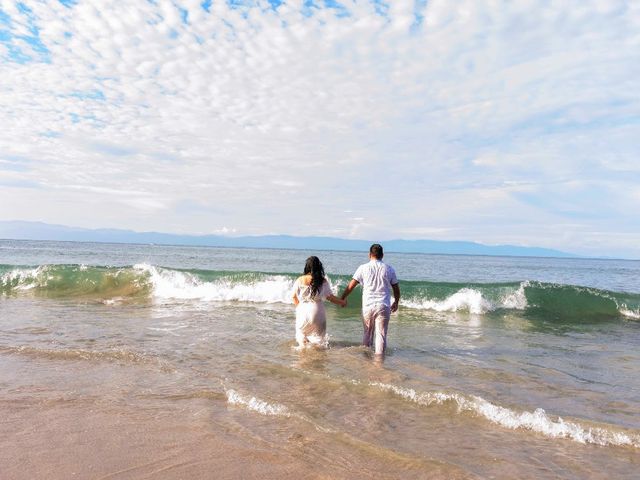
(376, 278)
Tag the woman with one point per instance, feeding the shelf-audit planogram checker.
(309, 293)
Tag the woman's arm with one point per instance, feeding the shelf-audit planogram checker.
(296, 300)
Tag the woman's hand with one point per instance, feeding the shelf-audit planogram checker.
(337, 301)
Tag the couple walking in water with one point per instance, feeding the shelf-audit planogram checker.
(378, 280)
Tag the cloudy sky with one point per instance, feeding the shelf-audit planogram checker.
(491, 121)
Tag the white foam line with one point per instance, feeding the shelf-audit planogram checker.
(269, 409)
(537, 421)
(257, 405)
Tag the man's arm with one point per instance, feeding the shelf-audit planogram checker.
(352, 284)
(338, 301)
(396, 297)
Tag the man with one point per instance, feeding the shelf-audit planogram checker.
(377, 280)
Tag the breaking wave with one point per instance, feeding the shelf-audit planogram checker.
(553, 300)
(114, 285)
(225, 286)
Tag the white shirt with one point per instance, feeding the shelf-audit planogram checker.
(376, 279)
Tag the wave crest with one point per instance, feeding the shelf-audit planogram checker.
(74, 281)
(466, 299)
(174, 284)
(473, 300)
(114, 285)
(537, 421)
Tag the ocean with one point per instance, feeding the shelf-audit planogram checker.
(152, 361)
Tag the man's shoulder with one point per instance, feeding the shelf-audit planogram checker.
(390, 269)
(362, 272)
(362, 267)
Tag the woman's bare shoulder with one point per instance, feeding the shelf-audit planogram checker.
(304, 279)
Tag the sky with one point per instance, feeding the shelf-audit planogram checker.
(501, 122)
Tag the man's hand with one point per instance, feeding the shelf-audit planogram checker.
(396, 297)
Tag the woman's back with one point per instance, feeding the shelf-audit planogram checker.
(304, 290)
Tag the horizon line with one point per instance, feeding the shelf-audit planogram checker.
(553, 253)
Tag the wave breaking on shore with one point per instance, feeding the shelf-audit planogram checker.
(113, 285)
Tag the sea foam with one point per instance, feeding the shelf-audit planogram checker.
(536, 421)
(174, 284)
(257, 405)
(24, 278)
(629, 313)
(268, 409)
(471, 300)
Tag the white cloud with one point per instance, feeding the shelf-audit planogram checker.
(465, 126)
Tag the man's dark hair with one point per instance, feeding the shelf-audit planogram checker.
(376, 251)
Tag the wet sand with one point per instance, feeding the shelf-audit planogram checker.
(61, 440)
(98, 419)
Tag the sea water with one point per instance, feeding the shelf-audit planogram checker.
(138, 360)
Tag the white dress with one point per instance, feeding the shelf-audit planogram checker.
(311, 319)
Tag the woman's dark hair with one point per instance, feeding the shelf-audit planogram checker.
(313, 266)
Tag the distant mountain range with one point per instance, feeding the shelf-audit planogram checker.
(45, 231)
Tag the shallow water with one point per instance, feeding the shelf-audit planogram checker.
(193, 372)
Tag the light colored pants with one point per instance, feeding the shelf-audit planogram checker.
(375, 321)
